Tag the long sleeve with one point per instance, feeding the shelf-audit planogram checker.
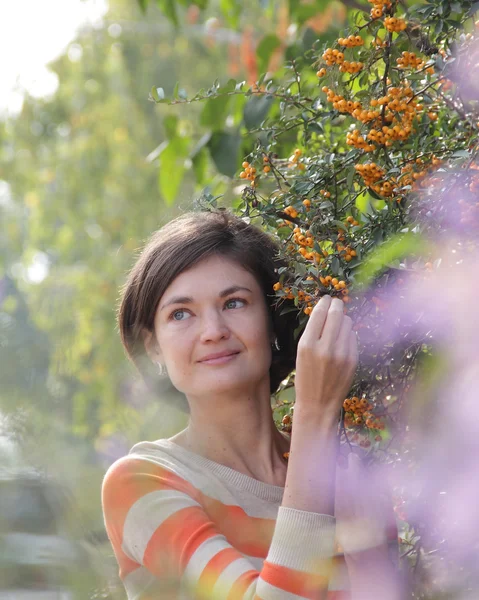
(161, 531)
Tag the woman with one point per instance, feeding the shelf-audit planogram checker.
(217, 511)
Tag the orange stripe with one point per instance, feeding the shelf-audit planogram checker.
(249, 535)
(176, 540)
(242, 584)
(213, 570)
(296, 582)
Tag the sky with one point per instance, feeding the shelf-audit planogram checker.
(33, 33)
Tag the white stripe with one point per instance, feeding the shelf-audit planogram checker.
(229, 576)
(266, 590)
(146, 515)
(210, 484)
(201, 557)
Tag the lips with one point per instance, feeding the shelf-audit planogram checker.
(219, 355)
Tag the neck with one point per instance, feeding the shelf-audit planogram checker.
(238, 432)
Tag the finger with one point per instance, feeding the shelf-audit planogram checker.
(314, 327)
(353, 347)
(344, 335)
(333, 323)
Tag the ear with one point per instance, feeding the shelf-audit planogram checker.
(152, 347)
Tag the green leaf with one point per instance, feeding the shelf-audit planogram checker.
(362, 202)
(340, 224)
(172, 168)
(224, 150)
(170, 123)
(256, 109)
(143, 4)
(383, 255)
(200, 166)
(158, 94)
(168, 8)
(268, 44)
(215, 112)
(231, 10)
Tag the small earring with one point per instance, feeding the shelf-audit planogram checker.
(275, 344)
(161, 369)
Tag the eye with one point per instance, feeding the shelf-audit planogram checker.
(233, 303)
(179, 314)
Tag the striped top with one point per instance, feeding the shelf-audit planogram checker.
(184, 527)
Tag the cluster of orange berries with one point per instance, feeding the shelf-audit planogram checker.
(305, 239)
(339, 286)
(370, 172)
(354, 138)
(351, 41)
(351, 221)
(249, 172)
(378, 7)
(371, 175)
(307, 299)
(409, 176)
(333, 57)
(266, 166)
(410, 60)
(400, 109)
(358, 412)
(394, 24)
(316, 256)
(302, 296)
(351, 67)
(349, 253)
(336, 57)
(291, 212)
(348, 106)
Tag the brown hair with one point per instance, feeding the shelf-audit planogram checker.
(179, 245)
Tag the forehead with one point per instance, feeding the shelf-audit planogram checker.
(210, 275)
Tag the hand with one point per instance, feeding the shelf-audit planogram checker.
(327, 358)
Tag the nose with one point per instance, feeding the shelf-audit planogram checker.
(214, 327)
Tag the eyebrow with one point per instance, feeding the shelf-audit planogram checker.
(188, 300)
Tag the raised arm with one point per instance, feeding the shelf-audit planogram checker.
(326, 361)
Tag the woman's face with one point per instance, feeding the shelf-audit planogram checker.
(212, 329)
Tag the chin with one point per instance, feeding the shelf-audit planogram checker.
(226, 383)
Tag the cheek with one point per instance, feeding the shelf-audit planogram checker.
(174, 344)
